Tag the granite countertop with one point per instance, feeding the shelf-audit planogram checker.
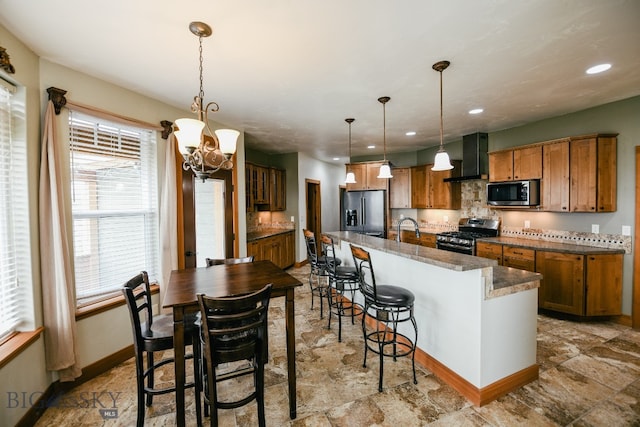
(257, 235)
(542, 245)
(504, 280)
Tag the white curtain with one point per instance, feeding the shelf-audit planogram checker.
(58, 281)
(168, 215)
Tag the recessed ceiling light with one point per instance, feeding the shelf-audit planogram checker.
(598, 68)
(336, 158)
(476, 111)
(371, 146)
(410, 133)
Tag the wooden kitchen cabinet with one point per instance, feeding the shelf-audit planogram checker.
(489, 250)
(257, 180)
(516, 164)
(278, 192)
(555, 171)
(593, 173)
(279, 249)
(429, 190)
(366, 175)
(583, 285)
(400, 188)
(517, 257)
(407, 236)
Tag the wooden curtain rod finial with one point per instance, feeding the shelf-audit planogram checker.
(57, 97)
(5, 63)
(167, 128)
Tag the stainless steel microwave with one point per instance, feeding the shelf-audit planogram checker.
(514, 193)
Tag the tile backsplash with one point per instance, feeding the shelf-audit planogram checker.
(257, 221)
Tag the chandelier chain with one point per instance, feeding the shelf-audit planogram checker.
(201, 94)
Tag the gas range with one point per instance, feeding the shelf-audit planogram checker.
(469, 229)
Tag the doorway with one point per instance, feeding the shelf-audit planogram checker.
(213, 213)
(313, 211)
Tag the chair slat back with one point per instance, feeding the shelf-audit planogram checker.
(364, 267)
(219, 261)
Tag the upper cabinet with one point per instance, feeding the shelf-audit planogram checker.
(400, 188)
(265, 188)
(593, 173)
(429, 190)
(516, 164)
(367, 177)
(577, 174)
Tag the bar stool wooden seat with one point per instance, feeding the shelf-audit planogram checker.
(388, 306)
(343, 285)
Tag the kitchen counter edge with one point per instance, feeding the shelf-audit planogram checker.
(257, 235)
(542, 245)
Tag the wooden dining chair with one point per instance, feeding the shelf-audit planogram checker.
(154, 334)
(220, 261)
(234, 329)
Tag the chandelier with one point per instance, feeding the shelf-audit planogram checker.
(441, 162)
(204, 152)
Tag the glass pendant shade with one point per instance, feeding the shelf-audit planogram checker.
(227, 138)
(442, 162)
(385, 171)
(189, 134)
(350, 179)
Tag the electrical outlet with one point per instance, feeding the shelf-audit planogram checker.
(259, 220)
(527, 223)
(595, 228)
(293, 219)
(626, 230)
(445, 218)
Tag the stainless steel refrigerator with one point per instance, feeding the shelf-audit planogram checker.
(364, 212)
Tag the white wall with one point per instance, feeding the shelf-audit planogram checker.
(330, 177)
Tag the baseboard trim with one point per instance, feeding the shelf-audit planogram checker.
(57, 388)
(477, 396)
(624, 320)
(302, 263)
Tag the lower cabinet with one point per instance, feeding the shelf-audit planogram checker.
(584, 285)
(279, 249)
(408, 236)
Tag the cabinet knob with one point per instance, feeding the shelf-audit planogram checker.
(564, 208)
(593, 208)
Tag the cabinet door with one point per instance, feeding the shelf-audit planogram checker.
(607, 173)
(445, 195)
(289, 249)
(489, 250)
(555, 171)
(360, 172)
(248, 177)
(604, 285)
(278, 193)
(373, 182)
(400, 188)
(562, 285)
(255, 249)
(501, 166)
(527, 163)
(419, 187)
(584, 156)
(428, 240)
(520, 258)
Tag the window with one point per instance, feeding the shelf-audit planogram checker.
(15, 253)
(114, 205)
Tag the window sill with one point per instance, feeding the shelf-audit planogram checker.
(15, 345)
(107, 304)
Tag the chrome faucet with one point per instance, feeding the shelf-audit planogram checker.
(415, 224)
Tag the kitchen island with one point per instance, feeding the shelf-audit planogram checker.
(476, 320)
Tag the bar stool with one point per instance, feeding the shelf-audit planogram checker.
(388, 306)
(318, 270)
(343, 280)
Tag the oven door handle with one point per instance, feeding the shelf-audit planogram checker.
(455, 248)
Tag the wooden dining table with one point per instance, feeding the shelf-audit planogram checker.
(220, 281)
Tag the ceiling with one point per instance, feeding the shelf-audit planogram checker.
(288, 72)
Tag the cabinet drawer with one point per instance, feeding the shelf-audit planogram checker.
(488, 250)
(524, 259)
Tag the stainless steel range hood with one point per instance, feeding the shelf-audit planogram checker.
(475, 161)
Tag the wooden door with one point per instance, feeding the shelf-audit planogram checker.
(527, 163)
(604, 285)
(607, 174)
(314, 206)
(373, 182)
(555, 184)
(419, 187)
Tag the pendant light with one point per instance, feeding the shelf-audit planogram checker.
(385, 170)
(351, 177)
(441, 162)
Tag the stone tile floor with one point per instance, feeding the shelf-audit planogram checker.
(589, 376)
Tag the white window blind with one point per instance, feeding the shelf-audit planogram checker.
(14, 231)
(114, 204)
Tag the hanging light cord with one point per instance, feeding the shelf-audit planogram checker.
(441, 120)
(384, 130)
